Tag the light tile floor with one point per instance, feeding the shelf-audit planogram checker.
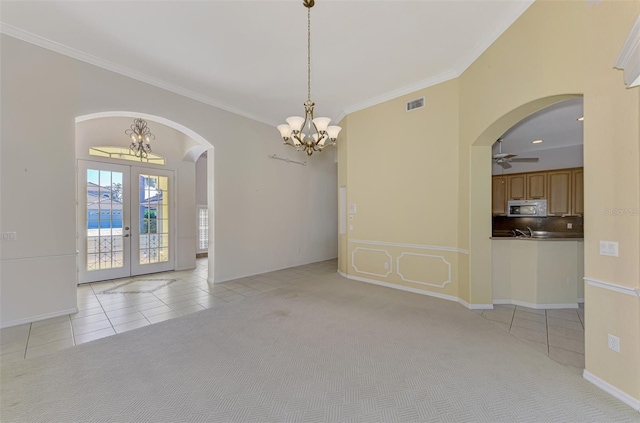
(140, 301)
(116, 306)
(558, 333)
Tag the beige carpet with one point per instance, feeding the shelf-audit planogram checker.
(323, 350)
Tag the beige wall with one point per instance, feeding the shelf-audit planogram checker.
(402, 176)
(554, 51)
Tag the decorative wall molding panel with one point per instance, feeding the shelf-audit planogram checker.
(384, 260)
(634, 292)
(417, 246)
(429, 264)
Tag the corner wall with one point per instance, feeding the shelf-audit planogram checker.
(554, 51)
(257, 200)
(402, 177)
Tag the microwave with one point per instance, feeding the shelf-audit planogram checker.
(526, 208)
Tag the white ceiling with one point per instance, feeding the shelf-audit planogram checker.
(249, 57)
(557, 126)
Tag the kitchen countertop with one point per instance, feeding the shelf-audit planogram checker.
(548, 238)
(539, 235)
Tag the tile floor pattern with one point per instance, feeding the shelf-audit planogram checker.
(104, 310)
(558, 333)
(101, 314)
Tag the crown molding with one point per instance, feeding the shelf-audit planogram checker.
(407, 89)
(629, 58)
(39, 41)
(492, 36)
(464, 63)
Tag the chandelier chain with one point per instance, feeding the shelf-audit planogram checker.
(309, 53)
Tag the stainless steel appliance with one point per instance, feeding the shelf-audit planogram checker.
(527, 208)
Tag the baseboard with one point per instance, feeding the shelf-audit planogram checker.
(418, 291)
(612, 390)
(475, 306)
(38, 318)
(535, 306)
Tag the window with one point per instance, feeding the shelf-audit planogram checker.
(203, 229)
(124, 154)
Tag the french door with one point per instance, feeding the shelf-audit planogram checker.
(125, 221)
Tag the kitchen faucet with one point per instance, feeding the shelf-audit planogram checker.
(518, 232)
(530, 232)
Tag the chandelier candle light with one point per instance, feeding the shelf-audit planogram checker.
(306, 132)
(141, 138)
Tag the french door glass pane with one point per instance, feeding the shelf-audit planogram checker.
(104, 220)
(154, 218)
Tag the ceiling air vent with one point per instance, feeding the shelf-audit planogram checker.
(418, 103)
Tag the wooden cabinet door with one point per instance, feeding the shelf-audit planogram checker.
(577, 191)
(559, 192)
(536, 186)
(499, 195)
(517, 187)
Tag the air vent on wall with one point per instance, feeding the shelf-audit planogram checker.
(415, 104)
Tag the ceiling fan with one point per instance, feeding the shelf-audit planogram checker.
(504, 159)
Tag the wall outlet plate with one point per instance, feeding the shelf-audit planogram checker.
(614, 343)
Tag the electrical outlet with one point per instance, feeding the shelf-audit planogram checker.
(386, 266)
(569, 225)
(614, 343)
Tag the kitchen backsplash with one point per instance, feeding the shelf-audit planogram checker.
(502, 225)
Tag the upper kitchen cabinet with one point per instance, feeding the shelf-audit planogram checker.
(562, 188)
(577, 191)
(536, 185)
(517, 186)
(499, 195)
(559, 186)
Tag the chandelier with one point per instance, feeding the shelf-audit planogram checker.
(141, 138)
(306, 132)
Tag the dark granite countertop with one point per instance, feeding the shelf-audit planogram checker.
(540, 236)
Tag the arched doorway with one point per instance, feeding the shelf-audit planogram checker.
(533, 319)
(181, 147)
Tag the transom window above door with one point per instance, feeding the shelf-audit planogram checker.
(123, 153)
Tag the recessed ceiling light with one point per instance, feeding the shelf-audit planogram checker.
(536, 142)
(581, 118)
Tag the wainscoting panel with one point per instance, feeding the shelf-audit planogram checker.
(372, 261)
(426, 268)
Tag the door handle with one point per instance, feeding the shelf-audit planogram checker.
(126, 228)
(125, 236)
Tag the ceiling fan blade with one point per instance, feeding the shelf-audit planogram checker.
(526, 159)
(505, 165)
(504, 156)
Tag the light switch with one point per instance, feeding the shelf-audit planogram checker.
(350, 227)
(609, 248)
(352, 208)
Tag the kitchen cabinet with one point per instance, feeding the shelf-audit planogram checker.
(536, 185)
(517, 186)
(559, 192)
(577, 192)
(499, 195)
(562, 188)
